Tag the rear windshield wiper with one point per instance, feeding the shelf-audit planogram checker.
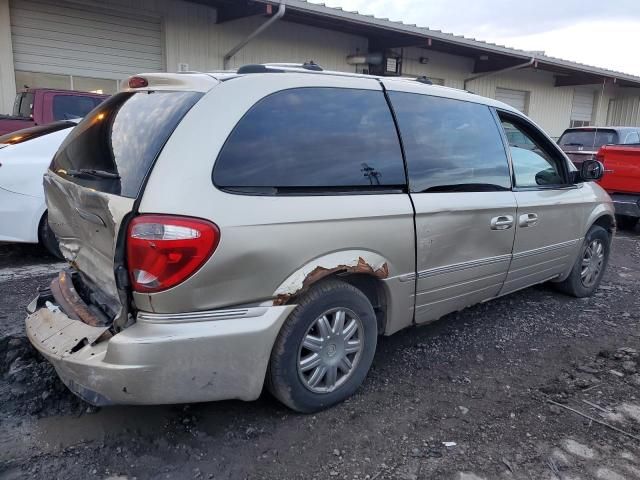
(89, 172)
(573, 144)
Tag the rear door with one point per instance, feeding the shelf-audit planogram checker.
(460, 186)
(550, 207)
(98, 173)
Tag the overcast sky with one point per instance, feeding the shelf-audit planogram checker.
(596, 32)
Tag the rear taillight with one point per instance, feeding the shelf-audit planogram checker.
(165, 250)
(600, 155)
(138, 82)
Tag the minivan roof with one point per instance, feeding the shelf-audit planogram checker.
(205, 81)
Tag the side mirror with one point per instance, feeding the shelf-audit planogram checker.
(591, 170)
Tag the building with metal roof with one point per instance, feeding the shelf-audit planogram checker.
(91, 45)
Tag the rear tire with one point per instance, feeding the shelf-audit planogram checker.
(48, 239)
(324, 349)
(590, 265)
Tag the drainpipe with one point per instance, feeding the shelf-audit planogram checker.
(278, 15)
(529, 63)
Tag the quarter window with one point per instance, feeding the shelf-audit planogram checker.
(313, 138)
(450, 145)
(534, 164)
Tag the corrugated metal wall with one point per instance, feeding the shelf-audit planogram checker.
(7, 77)
(70, 39)
(625, 110)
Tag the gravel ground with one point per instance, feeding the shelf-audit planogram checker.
(465, 398)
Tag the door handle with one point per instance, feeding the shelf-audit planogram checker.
(503, 222)
(528, 220)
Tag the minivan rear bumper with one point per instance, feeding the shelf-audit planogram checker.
(161, 359)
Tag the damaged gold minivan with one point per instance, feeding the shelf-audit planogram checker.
(262, 227)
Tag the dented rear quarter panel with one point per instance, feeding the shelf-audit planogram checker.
(270, 244)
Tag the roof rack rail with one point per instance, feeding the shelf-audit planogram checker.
(258, 68)
(424, 79)
(279, 67)
(310, 65)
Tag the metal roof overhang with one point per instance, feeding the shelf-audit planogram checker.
(383, 33)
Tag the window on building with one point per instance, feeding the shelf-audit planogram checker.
(450, 145)
(534, 161)
(582, 107)
(518, 99)
(66, 82)
(42, 80)
(312, 138)
(579, 123)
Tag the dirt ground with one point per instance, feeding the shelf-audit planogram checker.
(480, 379)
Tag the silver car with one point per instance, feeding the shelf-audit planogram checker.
(263, 227)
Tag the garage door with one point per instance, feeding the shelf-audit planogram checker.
(582, 108)
(516, 98)
(61, 38)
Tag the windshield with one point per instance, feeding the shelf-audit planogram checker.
(21, 136)
(114, 147)
(588, 139)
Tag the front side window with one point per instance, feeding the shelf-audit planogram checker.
(312, 138)
(450, 145)
(534, 164)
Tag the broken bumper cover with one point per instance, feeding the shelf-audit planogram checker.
(162, 358)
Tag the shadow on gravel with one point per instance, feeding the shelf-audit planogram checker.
(19, 254)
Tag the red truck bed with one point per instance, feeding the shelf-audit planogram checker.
(622, 177)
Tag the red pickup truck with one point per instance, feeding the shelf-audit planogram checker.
(622, 180)
(39, 106)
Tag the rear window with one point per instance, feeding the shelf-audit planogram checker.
(23, 105)
(113, 149)
(588, 138)
(314, 138)
(66, 107)
(34, 132)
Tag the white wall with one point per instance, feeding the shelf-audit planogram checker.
(7, 75)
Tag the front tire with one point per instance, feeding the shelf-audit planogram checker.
(325, 348)
(590, 265)
(48, 239)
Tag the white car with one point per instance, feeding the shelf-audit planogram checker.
(24, 157)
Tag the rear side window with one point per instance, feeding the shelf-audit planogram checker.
(450, 145)
(66, 107)
(113, 149)
(312, 138)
